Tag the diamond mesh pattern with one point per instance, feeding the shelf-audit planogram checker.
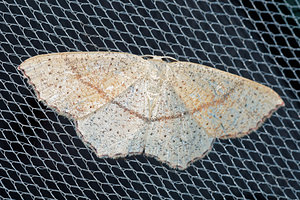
(41, 157)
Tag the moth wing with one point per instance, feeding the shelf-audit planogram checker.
(79, 83)
(177, 142)
(225, 105)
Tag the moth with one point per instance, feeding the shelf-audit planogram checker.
(125, 104)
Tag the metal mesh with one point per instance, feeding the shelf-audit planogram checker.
(41, 157)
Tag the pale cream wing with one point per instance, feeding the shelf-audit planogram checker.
(81, 82)
(172, 135)
(113, 132)
(177, 142)
(223, 104)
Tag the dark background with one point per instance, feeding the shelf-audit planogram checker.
(41, 156)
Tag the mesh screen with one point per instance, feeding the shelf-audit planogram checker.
(42, 157)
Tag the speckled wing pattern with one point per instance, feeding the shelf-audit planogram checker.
(125, 104)
(225, 105)
(77, 84)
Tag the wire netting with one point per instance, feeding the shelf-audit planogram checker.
(41, 156)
